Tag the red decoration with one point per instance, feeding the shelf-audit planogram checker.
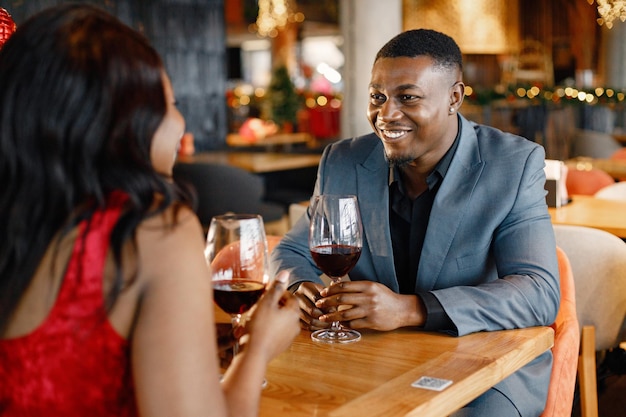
(7, 26)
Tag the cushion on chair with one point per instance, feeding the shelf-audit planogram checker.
(566, 346)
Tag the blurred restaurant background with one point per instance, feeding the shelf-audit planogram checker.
(542, 68)
(265, 85)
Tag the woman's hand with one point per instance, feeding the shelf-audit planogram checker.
(274, 322)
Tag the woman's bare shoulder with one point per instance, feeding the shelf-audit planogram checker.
(172, 238)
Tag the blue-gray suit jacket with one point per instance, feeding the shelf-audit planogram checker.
(489, 254)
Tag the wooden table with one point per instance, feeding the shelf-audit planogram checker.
(608, 215)
(373, 377)
(273, 141)
(614, 167)
(256, 162)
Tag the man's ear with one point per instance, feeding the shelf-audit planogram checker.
(457, 93)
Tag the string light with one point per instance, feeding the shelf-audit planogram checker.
(274, 15)
(609, 11)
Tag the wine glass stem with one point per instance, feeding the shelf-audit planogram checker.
(335, 326)
(235, 320)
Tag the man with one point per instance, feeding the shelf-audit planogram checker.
(457, 235)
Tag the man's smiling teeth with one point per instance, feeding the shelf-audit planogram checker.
(393, 134)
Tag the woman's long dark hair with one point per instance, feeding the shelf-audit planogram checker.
(81, 96)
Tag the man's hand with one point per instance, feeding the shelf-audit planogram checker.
(307, 294)
(371, 305)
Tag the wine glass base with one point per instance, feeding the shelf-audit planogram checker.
(341, 336)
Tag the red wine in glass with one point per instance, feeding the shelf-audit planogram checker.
(335, 242)
(236, 252)
(335, 260)
(238, 295)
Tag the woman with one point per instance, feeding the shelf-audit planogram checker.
(105, 301)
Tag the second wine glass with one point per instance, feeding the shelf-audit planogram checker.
(236, 252)
(335, 242)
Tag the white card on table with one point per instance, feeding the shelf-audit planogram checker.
(432, 383)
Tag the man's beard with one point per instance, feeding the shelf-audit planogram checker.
(398, 161)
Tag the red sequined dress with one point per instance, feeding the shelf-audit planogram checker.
(74, 364)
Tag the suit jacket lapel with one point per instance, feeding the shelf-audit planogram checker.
(449, 206)
(373, 194)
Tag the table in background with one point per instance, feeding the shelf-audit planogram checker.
(256, 162)
(373, 377)
(279, 140)
(589, 211)
(614, 167)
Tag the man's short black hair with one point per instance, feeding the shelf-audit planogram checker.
(417, 42)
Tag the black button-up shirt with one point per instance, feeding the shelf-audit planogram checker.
(408, 220)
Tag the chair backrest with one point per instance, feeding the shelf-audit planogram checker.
(615, 191)
(593, 144)
(598, 261)
(586, 182)
(566, 345)
(222, 188)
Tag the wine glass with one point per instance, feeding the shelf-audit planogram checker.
(335, 242)
(236, 251)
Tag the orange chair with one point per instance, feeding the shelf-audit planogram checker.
(566, 344)
(598, 261)
(586, 182)
(272, 241)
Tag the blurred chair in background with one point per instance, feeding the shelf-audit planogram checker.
(272, 241)
(615, 191)
(566, 344)
(223, 188)
(586, 182)
(598, 261)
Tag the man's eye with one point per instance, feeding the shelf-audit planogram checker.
(408, 97)
(377, 98)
